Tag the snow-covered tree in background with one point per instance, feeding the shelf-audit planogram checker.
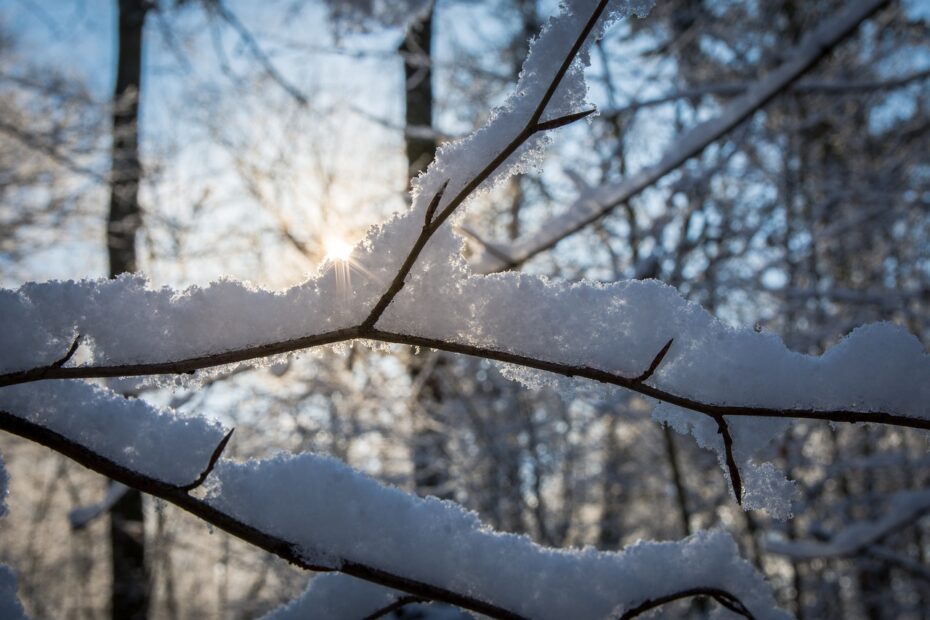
(736, 391)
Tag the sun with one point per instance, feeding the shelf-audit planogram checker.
(337, 249)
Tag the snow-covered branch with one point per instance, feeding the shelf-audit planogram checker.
(317, 513)
(598, 202)
(414, 288)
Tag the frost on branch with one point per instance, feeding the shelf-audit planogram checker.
(337, 515)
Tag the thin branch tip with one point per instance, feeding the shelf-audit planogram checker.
(654, 365)
(735, 480)
(434, 203)
(214, 458)
(69, 354)
(562, 121)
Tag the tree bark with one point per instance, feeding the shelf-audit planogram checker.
(130, 586)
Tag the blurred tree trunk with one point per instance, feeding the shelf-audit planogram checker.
(430, 452)
(130, 589)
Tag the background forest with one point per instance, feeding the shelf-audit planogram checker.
(195, 139)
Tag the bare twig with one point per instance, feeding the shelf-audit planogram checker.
(401, 602)
(655, 362)
(735, 480)
(69, 354)
(217, 452)
(805, 87)
(431, 209)
(562, 121)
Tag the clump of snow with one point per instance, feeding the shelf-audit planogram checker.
(334, 512)
(130, 432)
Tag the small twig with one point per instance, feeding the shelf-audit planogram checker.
(735, 480)
(655, 362)
(721, 596)
(431, 209)
(67, 356)
(564, 120)
(217, 452)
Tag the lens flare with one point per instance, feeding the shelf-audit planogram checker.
(337, 249)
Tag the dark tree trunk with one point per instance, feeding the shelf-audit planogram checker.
(130, 590)
(416, 50)
(430, 452)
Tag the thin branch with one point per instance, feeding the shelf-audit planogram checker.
(431, 209)
(203, 510)
(217, 452)
(531, 128)
(655, 362)
(723, 597)
(562, 121)
(735, 480)
(690, 144)
(70, 353)
(189, 365)
(50, 150)
(401, 602)
(178, 367)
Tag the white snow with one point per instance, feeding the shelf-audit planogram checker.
(154, 442)
(334, 513)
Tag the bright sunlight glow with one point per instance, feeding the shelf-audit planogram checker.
(337, 249)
